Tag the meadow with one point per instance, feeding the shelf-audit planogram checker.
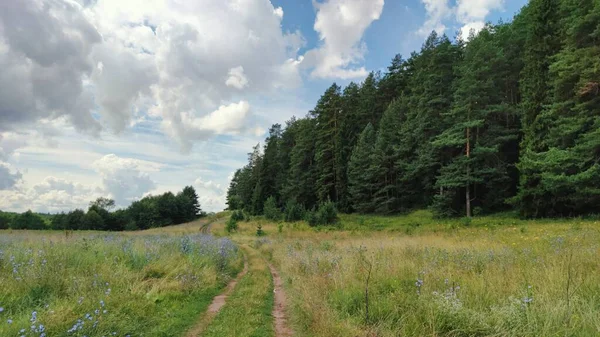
(410, 275)
(105, 284)
(490, 276)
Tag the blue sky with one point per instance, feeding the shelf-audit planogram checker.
(152, 95)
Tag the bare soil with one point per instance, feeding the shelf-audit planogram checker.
(282, 329)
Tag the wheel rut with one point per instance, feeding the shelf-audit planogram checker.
(282, 328)
(217, 303)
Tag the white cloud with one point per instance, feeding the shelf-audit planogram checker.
(236, 78)
(341, 25)
(474, 27)
(278, 12)
(472, 14)
(436, 12)
(212, 196)
(108, 63)
(125, 179)
(44, 57)
(51, 195)
(8, 178)
(227, 119)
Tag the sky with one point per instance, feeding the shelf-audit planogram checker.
(126, 98)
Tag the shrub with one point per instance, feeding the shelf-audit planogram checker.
(259, 230)
(231, 225)
(311, 218)
(294, 211)
(270, 209)
(326, 214)
(442, 205)
(238, 215)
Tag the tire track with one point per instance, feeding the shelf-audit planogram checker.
(282, 328)
(217, 303)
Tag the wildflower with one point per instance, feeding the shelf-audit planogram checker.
(1, 309)
(9, 321)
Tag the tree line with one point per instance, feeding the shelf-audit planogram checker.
(508, 118)
(151, 211)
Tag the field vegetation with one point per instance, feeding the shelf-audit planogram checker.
(95, 284)
(421, 276)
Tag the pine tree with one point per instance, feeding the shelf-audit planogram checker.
(384, 160)
(360, 178)
(483, 127)
(327, 116)
(302, 174)
(562, 176)
(429, 98)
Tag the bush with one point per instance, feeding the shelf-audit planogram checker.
(442, 205)
(238, 215)
(326, 214)
(259, 230)
(294, 211)
(231, 225)
(311, 217)
(270, 209)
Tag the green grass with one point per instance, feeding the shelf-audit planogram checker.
(136, 284)
(247, 312)
(491, 276)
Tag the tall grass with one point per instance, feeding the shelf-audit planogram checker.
(93, 284)
(497, 277)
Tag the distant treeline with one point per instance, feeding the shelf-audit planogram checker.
(509, 118)
(151, 211)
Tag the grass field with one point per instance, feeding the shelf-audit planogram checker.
(490, 276)
(98, 284)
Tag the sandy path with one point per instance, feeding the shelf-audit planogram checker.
(217, 303)
(282, 329)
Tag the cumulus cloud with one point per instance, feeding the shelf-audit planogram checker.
(124, 179)
(341, 25)
(472, 14)
(211, 195)
(44, 57)
(8, 178)
(436, 12)
(102, 63)
(236, 78)
(51, 195)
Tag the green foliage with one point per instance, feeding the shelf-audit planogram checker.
(463, 128)
(326, 214)
(231, 225)
(271, 211)
(5, 220)
(294, 211)
(92, 220)
(259, 230)
(28, 220)
(360, 180)
(238, 215)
